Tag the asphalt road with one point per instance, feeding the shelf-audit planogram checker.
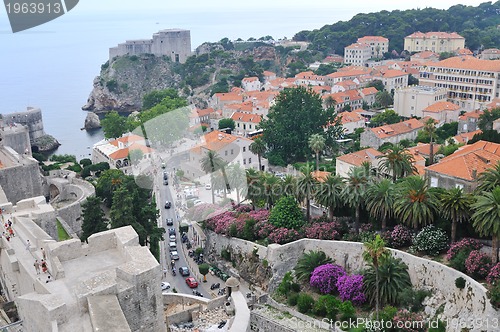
(178, 282)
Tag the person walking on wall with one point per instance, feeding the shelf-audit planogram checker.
(37, 266)
(28, 245)
(43, 253)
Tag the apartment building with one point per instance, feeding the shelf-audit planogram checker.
(357, 54)
(472, 83)
(410, 101)
(379, 45)
(438, 42)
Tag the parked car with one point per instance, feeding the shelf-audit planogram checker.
(165, 182)
(174, 255)
(184, 271)
(208, 186)
(165, 175)
(168, 205)
(170, 222)
(165, 286)
(172, 238)
(191, 282)
(171, 231)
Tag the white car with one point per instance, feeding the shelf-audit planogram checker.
(208, 186)
(165, 286)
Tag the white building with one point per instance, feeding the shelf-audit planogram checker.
(251, 84)
(410, 101)
(116, 152)
(379, 45)
(357, 54)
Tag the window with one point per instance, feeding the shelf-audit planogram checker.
(232, 152)
(249, 160)
(244, 161)
(434, 182)
(225, 153)
(244, 148)
(459, 186)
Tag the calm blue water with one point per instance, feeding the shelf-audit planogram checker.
(52, 66)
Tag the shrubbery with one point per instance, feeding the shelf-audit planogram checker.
(325, 277)
(494, 275)
(466, 244)
(350, 288)
(478, 264)
(305, 303)
(401, 236)
(431, 240)
(327, 306)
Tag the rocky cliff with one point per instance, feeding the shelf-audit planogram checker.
(123, 82)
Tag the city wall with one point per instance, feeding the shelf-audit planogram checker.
(21, 180)
(468, 303)
(32, 118)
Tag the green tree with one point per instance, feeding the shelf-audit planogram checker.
(156, 97)
(258, 147)
(93, 217)
(270, 184)
(308, 262)
(416, 203)
(317, 144)
(354, 192)
(329, 194)
(204, 268)
(226, 123)
(487, 118)
(376, 253)
(489, 179)
(237, 179)
(107, 183)
(380, 199)
(397, 162)
(286, 213)
(393, 279)
(114, 125)
(296, 115)
(384, 98)
(455, 206)
(486, 218)
(377, 84)
(254, 187)
(212, 163)
(386, 117)
(306, 186)
(430, 130)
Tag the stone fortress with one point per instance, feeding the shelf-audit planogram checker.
(173, 43)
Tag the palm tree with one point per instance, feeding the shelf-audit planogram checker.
(271, 185)
(486, 218)
(308, 262)
(398, 162)
(354, 191)
(393, 278)
(289, 185)
(237, 179)
(380, 199)
(258, 147)
(330, 102)
(376, 253)
(430, 129)
(384, 98)
(455, 206)
(489, 179)
(329, 193)
(212, 163)
(317, 144)
(254, 189)
(416, 204)
(306, 186)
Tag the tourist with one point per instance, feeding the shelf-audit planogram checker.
(48, 280)
(10, 223)
(11, 232)
(37, 266)
(43, 253)
(28, 245)
(44, 266)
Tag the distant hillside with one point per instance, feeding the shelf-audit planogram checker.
(479, 26)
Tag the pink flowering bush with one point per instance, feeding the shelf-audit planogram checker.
(408, 321)
(259, 215)
(221, 223)
(264, 228)
(282, 235)
(325, 277)
(351, 288)
(366, 228)
(243, 208)
(464, 244)
(478, 264)
(322, 231)
(494, 275)
(401, 236)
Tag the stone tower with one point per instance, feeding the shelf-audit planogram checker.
(174, 43)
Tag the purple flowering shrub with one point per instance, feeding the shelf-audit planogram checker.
(494, 275)
(350, 288)
(322, 231)
(406, 320)
(464, 244)
(283, 235)
(325, 277)
(401, 236)
(478, 264)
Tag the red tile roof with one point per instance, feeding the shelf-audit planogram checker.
(397, 128)
(246, 117)
(434, 34)
(473, 114)
(357, 158)
(349, 117)
(123, 153)
(441, 106)
(466, 137)
(131, 138)
(368, 39)
(468, 62)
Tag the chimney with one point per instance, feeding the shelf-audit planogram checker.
(474, 174)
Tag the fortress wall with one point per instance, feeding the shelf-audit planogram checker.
(32, 118)
(171, 43)
(468, 303)
(21, 181)
(18, 140)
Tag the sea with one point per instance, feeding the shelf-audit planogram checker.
(52, 66)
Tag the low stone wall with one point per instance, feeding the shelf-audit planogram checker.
(464, 304)
(262, 323)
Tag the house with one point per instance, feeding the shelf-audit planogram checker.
(438, 42)
(357, 54)
(320, 176)
(309, 78)
(410, 101)
(251, 84)
(393, 133)
(344, 86)
(345, 163)
(425, 56)
(379, 45)
(198, 116)
(117, 152)
(368, 95)
(245, 123)
(462, 168)
(420, 154)
(467, 122)
(464, 138)
(351, 121)
(490, 54)
(346, 73)
(219, 100)
(442, 112)
(393, 79)
(472, 83)
(268, 75)
(463, 52)
(350, 98)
